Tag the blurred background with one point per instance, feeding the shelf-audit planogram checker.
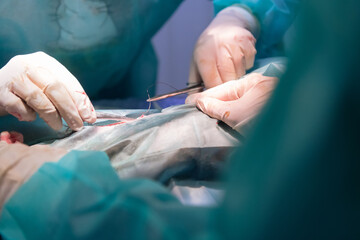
(175, 41)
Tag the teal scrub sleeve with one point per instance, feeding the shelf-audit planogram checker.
(82, 197)
(275, 18)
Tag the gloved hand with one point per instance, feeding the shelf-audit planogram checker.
(38, 83)
(235, 102)
(19, 162)
(226, 49)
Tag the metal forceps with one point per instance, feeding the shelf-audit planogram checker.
(193, 88)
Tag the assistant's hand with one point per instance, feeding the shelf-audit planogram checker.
(226, 49)
(19, 162)
(235, 102)
(37, 83)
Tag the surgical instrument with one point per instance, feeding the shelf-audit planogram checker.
(193, 88)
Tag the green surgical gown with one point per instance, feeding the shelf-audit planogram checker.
(104, 43)
(297, 177)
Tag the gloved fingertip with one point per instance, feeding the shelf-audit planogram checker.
(56, 127)
(87, 113)
(211, 106)
(76, 129)
(192, 99)
(201, 103)
(76, 124)
(91, 119)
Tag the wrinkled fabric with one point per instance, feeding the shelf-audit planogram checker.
(197, 193)
(103, 43)
(161, 145)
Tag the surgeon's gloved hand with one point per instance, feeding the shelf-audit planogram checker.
(226, 49)
(236, 102)
(37, 83)
(19, 162)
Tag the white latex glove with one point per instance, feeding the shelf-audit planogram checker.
(37, 83)
(236, 102)
(19, 162)
(226, 49)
